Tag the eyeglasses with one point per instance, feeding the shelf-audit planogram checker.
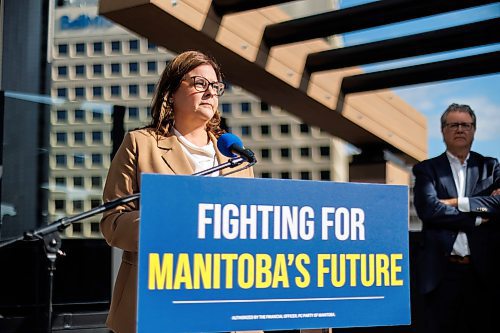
(455, 126)
(201, 84)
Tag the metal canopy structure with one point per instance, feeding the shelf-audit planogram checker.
(436, 71)
(225, 7)
(360, 17)
(459, 37)
(288, 63)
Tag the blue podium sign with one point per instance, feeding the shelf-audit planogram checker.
(225, 254)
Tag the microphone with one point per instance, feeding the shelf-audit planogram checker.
(230, 145)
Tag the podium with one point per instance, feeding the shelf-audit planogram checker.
(226, 254)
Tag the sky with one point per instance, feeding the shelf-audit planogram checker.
(482, 93)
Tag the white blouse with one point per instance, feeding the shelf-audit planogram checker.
(200, 158)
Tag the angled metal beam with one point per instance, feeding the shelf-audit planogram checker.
(459, 37)
(315, 105)
(486, 63)
(224, 7)
(359, 17)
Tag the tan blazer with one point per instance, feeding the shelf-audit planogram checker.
(139, 152)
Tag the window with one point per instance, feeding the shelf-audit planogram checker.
(77, 204)
(78, 160)
(79, 70)
(133, 45)
(227, 108)
(324, 151)
(246, 130)
(93, 204)
(80, 48)
(325, 174)
(96, 136)
(62, 116)
(61, 137)
(133, 112)
(285, 153)
(97, 93)
(79, 92)
(96, 159)
(133, 90)
(97, 69)
(79, 137)
(304, 128)
(115, 68)
(77, 228)
(285, 175)
(96, 181)
(62, 92)
(265, 130)
(116, 46)
(78, 181)
(79, 115)
(305, 152)
(98, 47)
(97, 114)
(265, 153)
(94, 227)
(151, 46)
(305, 175)
(148, 111)
(115, 91)
(150, 88)
(245, 107)
(61, 160)
(133, 67)
(152, 66)
(265, 174)
(59, 204)
(285, 129)
(60, 181)
(62, 71)
(62, 49)
(264, 107)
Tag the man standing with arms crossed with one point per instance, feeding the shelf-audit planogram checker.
(457, 198)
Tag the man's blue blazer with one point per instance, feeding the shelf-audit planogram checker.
(441, 223)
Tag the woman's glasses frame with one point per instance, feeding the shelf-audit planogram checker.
(202, 84)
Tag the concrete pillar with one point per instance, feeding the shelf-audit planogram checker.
(378, 165)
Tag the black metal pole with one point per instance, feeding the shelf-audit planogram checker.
(52, 244)
(2, 101)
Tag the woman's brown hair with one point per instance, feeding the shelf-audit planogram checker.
(162, 111)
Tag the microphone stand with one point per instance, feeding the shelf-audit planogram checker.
(52, 242)
(229, 164)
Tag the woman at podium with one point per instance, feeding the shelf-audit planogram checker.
(181, 139)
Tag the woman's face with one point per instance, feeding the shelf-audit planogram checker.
(193, 106)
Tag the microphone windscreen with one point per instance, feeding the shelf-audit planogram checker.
(225, 142)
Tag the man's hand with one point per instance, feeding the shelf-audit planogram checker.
(496, 192)
(450, 202)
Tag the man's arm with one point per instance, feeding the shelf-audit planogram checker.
(484, 204)
(430, 209)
